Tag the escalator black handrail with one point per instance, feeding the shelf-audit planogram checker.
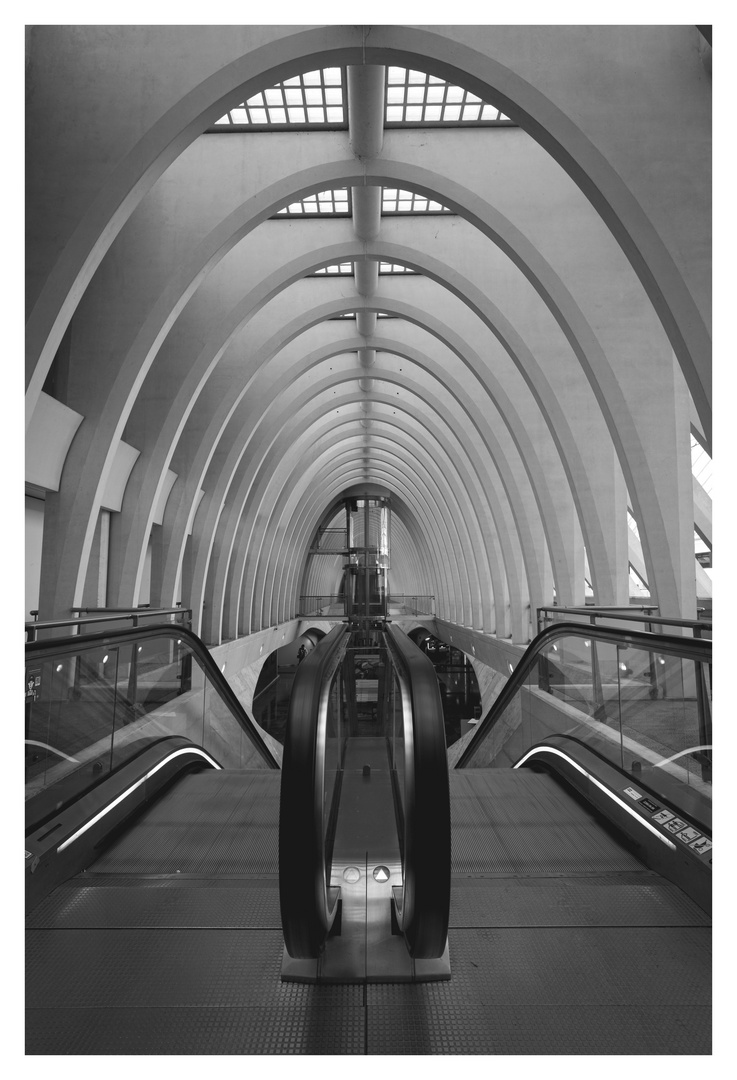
(425, 907)
(308, 906)
(36, 651)
(696, 649)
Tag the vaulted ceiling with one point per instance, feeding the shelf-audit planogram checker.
(491, 305)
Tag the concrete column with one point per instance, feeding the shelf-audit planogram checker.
(366, 211)
(366, 109)
(366, 277)
(367, 357)
(366, 323)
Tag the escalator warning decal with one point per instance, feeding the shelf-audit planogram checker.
(689, 834)
(663, 816)
(632, 793)
(675, 825)
(702, 845)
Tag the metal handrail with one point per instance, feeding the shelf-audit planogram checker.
(592, 613)
(696, 649)
(425, 908)
(117, 615)
(308, 905)
(35, 651)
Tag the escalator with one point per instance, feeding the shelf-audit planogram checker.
(211, 912)
(582, 846)
(364, 835)
(152, 847)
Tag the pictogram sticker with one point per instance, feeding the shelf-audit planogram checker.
(689, 834)
(675, 825)
(702, 845)
(663, 816)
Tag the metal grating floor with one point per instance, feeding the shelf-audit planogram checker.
(560, 941)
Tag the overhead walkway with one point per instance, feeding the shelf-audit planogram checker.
(157, 923)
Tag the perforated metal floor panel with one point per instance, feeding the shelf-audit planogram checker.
(560, 941)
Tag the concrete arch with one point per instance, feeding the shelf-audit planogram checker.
(586, 162)
(484, 501)
(293, 453)
(269, 604)
(650, 528)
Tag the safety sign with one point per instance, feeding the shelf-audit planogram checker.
(689, 834)
(675, 825)
(663, 816)
(702, 845)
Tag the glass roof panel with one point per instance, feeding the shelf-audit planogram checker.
(286, 103)
(335, 201)
(395, 201)
(343, 269)
(413, 97)
(395, 268)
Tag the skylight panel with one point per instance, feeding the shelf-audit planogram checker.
(413, 97)
(398, 201)
(343, 269)
(308, 100)
(395, 268)
(335, 201)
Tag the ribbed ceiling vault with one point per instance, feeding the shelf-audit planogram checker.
(522, 395)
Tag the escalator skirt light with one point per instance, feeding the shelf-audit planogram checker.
(602, 787)
(129, 791)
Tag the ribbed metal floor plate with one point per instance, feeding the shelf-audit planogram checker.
(334, 1029)
(537, 1030)
(560, 941)
(568, 966)
(158, 968)
(255, 906)
(574, 901)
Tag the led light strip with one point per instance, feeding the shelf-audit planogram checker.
(615, 798)
(130, 790)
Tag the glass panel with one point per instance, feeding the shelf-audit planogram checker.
(70, 718)
(647, 713)
(90, 711)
